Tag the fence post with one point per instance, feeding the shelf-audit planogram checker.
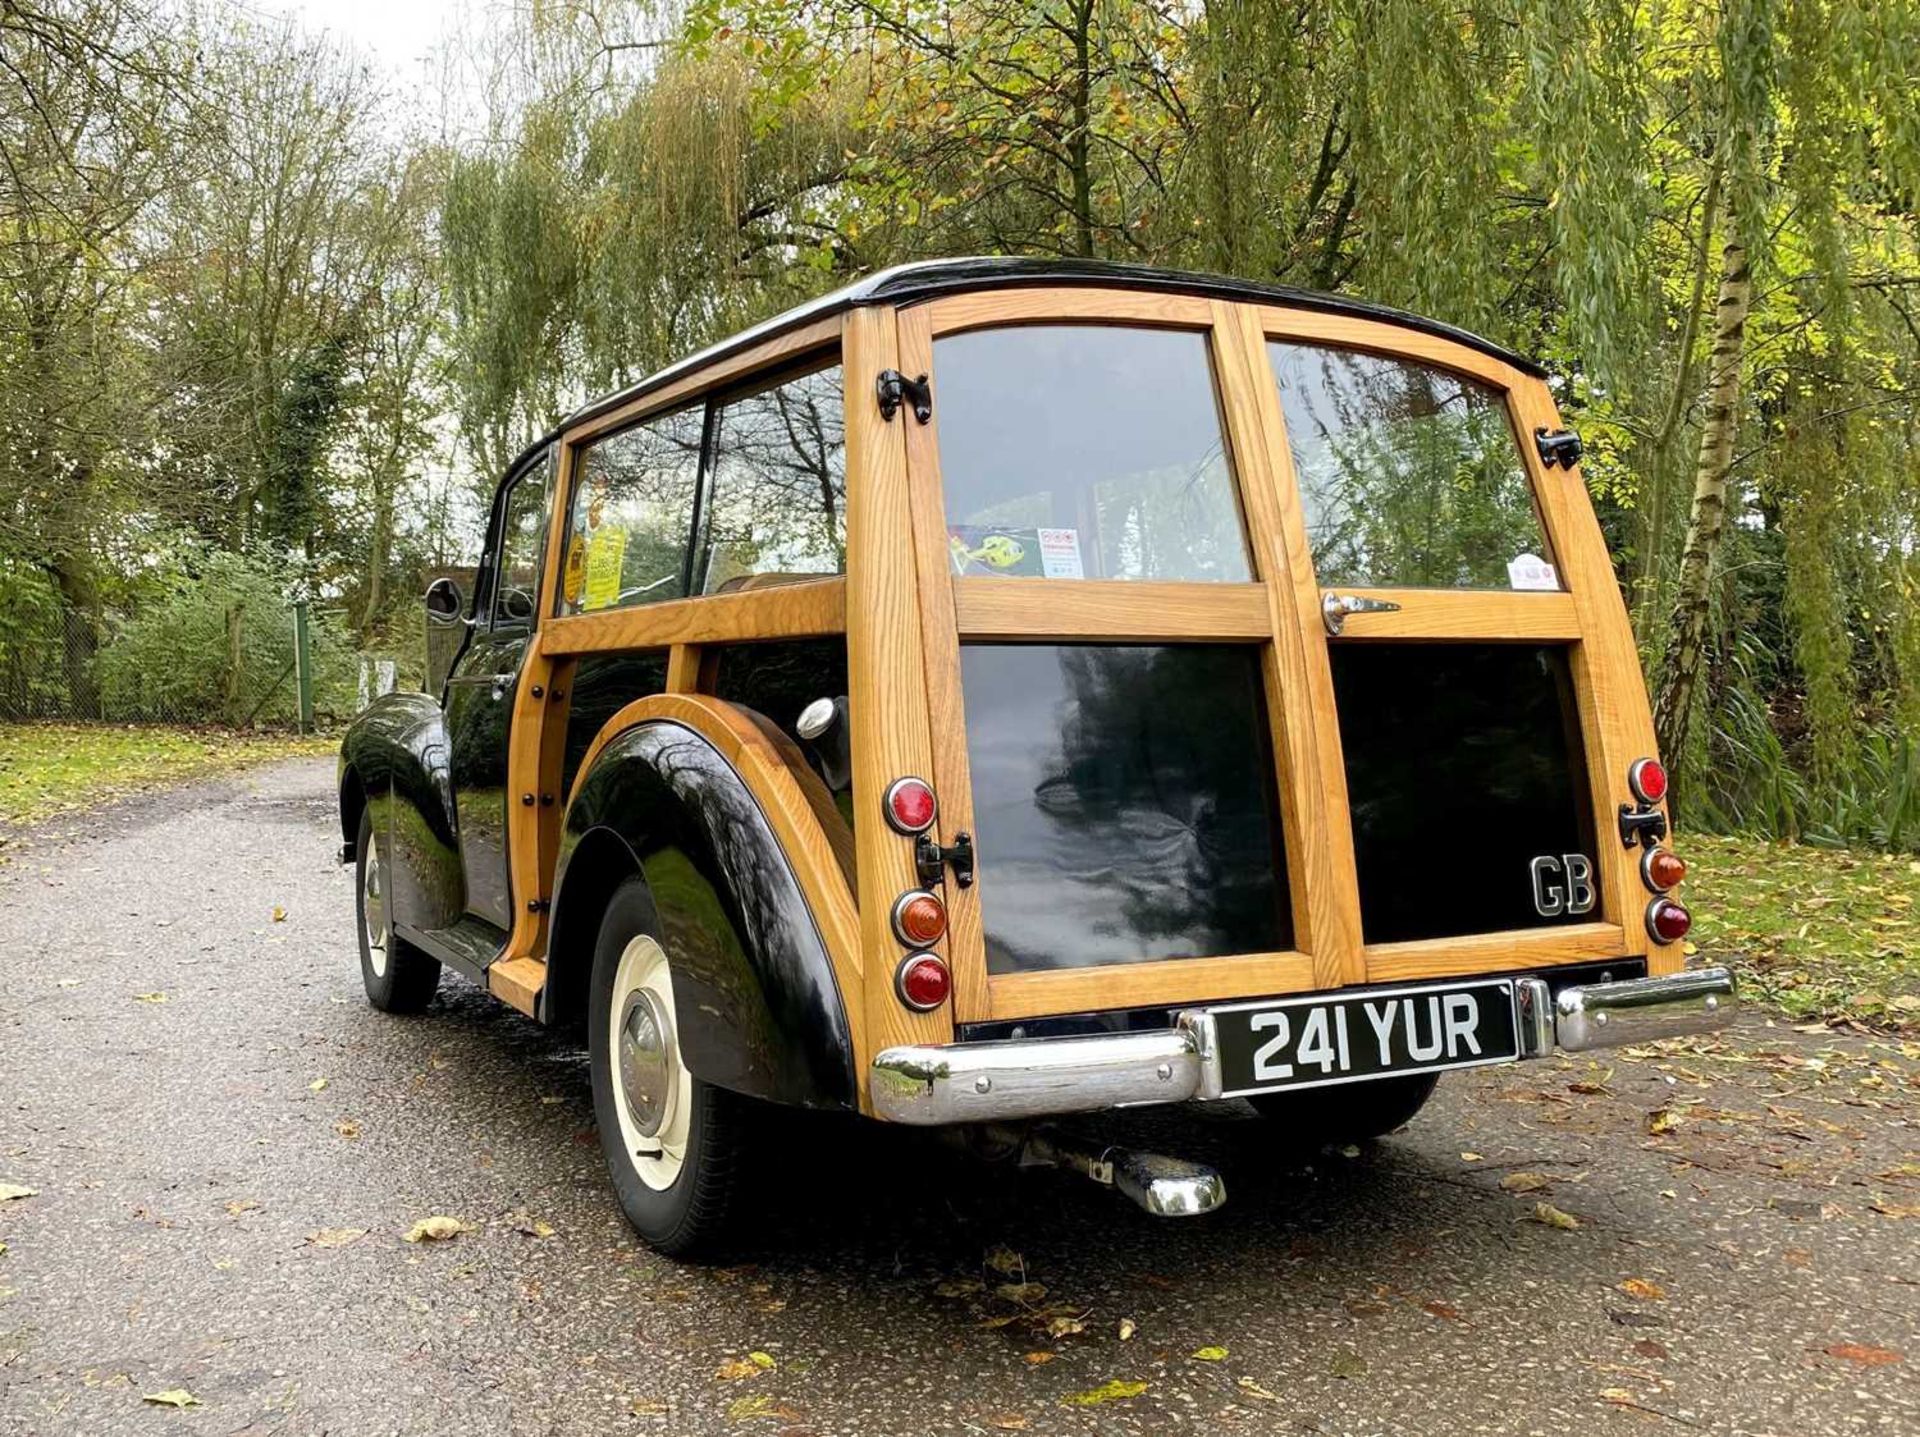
(303, 665)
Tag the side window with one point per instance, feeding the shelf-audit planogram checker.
(522, 527)
(632, 515)
(777, 496)
(1085, 452)
(1409, 474)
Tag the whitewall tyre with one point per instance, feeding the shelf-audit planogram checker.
(398, 977)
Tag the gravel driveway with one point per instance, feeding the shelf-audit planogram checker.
(227, 1145)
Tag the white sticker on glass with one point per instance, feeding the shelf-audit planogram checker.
(1060, 554)
(1530, 571)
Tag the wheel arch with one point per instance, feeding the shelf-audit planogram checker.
(675, 789)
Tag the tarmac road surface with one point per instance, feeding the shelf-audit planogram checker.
(226, 1146)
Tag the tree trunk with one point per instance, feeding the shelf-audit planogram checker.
(1079, 145)
(1706, 519)
(80, 637)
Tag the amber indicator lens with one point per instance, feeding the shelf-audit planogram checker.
(922, 981)
(1667, 921)
(910, 805)
(1661, 869)
(919, 918)
(1648, 780)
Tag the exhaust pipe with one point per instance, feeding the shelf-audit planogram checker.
(1160, 1185)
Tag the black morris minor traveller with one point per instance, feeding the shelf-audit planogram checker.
(1007, 689)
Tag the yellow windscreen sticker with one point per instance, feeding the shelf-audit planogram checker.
(605, 551)
(575, 574)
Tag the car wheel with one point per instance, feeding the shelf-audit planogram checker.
(399, 978)
(1347, 1112)
(676, 1147)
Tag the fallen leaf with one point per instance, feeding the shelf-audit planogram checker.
(1348, 1364)
(1116, 1390)
(335, 1236)
(1005, 1260)
(279, 914)
(318, 1085)
(172, 1397)
(1890, 1209)
(743, 1409)
(1546, 1212)
(1647, 1347)
(1444, 1309)
(9, 1192)
(1665, 1120)
(1862, 1354)
(1127, 1329)
(1646, 1291)
(752, 1365)
(1619, 1396)
(437, 1229)
(1065, 1327)
(149, 997)
(958, 1287)
(527, 1223)
(347, 1128)
(1524, 1182)
(1254, 1389)
(1210, 1354)
(1024, 1293)
(1040, 1359)
(1469, 1157)
(1009, 1422)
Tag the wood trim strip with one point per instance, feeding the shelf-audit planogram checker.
(1505, 952)
(683, 668)
(779, 350)
(1066, 610)
(1468, 614)
(1395, 341)
(1304, 675)
(517, 982)
(995, 308)
(886, 670)
(812, 608)
(1182, 981)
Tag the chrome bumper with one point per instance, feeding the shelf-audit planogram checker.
(1038, 1077)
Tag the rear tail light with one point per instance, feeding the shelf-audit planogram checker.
(922, 982)
(1647, 777)
(919, 918)
(910, 805)
(1661, 869)
(1667, 921)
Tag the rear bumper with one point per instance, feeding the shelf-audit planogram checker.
(929, 1085)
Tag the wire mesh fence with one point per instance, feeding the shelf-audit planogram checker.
(237, 663)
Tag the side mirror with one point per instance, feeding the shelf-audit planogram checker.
(516, 605)
(444, 599)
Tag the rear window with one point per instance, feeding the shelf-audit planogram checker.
(1464, 765)
(1408, 473)
(1085, 452)
(1124, 804)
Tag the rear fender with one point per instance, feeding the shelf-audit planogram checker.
(758, 1004)
(394, 761)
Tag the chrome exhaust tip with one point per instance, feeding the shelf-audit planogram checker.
(1159, 1185)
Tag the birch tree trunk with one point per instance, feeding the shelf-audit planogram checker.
(1706, 519)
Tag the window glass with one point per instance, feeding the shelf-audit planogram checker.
(1408, 474)
(632, 515)
(777, 501)
(1464, 768)
(522, 529)
(1124, 804)
(1085, 452)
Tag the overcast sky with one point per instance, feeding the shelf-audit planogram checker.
(397, 34)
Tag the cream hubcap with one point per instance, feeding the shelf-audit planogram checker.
(373, 907)
(652, 1088)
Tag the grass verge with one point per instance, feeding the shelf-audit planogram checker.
(48, 769)
(1818, 933)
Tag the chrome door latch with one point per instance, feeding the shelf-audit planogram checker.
(1334, 609)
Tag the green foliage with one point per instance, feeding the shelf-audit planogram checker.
(213, 643)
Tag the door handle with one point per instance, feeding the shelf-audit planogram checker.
(501, 684)
(1334, 609)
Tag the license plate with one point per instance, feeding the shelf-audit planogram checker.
(1313, 1042)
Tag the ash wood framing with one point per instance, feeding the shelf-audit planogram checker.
(807, 609)
(1139, 985)
(1064, 610)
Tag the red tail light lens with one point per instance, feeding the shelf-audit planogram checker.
(910, 806)
(1667, 921)
(922, 982)
(1661, 869)
(919, 918)
(1647, 777)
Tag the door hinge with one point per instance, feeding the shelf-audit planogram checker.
(930, 860)
(895, 389)
(538, 905)
(1558, 446)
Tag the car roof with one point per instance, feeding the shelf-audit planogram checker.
(928, 279)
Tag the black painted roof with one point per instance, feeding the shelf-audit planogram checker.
(926, 279)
